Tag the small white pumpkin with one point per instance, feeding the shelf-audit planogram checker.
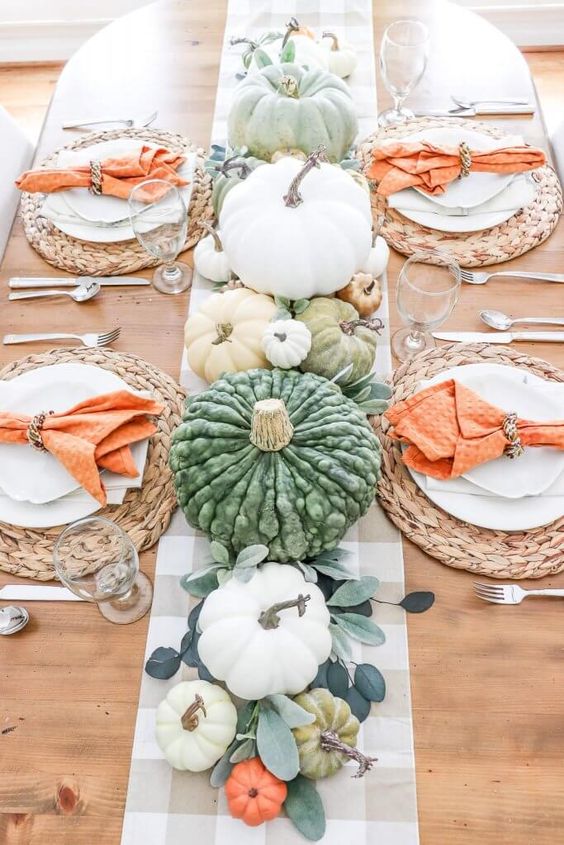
(341, 56)
(209, 258)
(196, 722)
(378, 258)
(286, 343)
(266, 636)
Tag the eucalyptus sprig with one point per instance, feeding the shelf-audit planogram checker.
(224, 566)
(287, 309)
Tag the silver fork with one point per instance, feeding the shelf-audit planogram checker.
(127, 122)
(472, 278)
(509, 593)
(91, 339)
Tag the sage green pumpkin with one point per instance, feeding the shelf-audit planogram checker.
(334, 723)
(290, 107)
(338, 338)
(225, 180)
(275, 457)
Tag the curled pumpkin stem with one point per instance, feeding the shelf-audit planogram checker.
(234, 163)
(293, 198)
(218, 246)
(292, 26)
(335, 44)
(375, 324)
(270, 618)
(190, 718)
(223, 331)
(329, 741)
(252, 44)
(289, 87)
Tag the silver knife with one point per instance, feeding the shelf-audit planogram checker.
(475, 110)
(36, 592)
(49, 281)
(500, 337)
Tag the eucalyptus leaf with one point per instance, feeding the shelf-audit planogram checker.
(243, 751)
(365, 608)
(359, 705)
(194, 615)
(222, 768)
(186, 641)
(340, 643)
(204, 674)
(201, 582)
(320, 679)
(360, 628)
(190, 656)
(261, 58)
(245, 716)
(308, 572)
(163, 663)
(219, 552)
(223, 575)
(354, 592)
(276, 745)
(300, 305)
(288, 54)
(294, 715)
(338, 679)
(305, 809)
(417, 602)
(282, 302)
(251, 556)
(370, 682)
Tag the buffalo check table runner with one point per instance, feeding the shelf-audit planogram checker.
(168, 807)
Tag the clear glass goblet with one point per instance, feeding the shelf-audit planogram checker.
(159, 220)
(95, 559)
(403, 58)
(426, 295)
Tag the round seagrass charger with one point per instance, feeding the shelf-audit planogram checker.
(87, 258)
(498, 554)
(145, 513)
(528, 228)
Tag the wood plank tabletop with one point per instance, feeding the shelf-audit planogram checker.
(488, 702)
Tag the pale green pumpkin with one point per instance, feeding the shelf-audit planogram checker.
(338, 338)
(290, 107)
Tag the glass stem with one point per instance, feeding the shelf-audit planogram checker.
(398, 102)
(171, 272)
(128, 599)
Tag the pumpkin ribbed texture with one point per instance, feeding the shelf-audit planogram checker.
(331, 714)
(253, 793)
(299, 500)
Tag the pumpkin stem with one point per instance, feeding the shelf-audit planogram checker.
(270, 619)
(335, 44)
(190, 719)
(329, 741)
(252, 44)
(223, 331)
(289, 87)
(282, 336)
(271, 429)
(292, 26)
(375, 324)
(216, 239)
(235, 162)
(369, 288)
(253, 792)
(293, 198)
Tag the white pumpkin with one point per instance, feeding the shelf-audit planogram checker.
(378, 258)
(196, 722)
(286, 343)
(296, 230)
(266, 636)
(309, 52)
(225, 335)
(209, 258)
(341, 56)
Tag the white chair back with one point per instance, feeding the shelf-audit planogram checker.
(16, 156)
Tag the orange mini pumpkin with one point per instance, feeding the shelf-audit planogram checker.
(253, 793)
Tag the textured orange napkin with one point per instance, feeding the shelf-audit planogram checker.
(118, 175)
(95, 433)
(450, 429)
(399, 165)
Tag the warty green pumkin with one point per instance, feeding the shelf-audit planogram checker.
(275, 457)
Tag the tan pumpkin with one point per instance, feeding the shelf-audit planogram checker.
(363, 292)
(225, 335)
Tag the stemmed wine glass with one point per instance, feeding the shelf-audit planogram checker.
(403, 58)
(427, 291)
(159, 220)
(95, 559)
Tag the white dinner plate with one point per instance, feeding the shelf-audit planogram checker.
(37, 477)
(463, 223)
(478, 187)
(76, 505)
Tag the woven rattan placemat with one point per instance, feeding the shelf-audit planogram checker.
(145, 512)
(499, 554)
(86, 258)
(529, 227)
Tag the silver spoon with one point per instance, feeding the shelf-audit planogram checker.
(81, 293)
(500, 321)
(12, 619)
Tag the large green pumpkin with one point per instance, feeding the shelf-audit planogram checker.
(338, 338)
(290, 107)
(275, 457)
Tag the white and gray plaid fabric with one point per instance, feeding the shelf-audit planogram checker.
(166, 807)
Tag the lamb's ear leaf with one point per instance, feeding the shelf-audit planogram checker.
(262, 59)
(276, 745)
(305, 809)
(288, 54)
(294, 715)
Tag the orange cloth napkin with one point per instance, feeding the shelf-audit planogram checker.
(450, 429)
(400, 165)
(95, 433)
(119, 175)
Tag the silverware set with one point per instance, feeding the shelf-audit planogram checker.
(471, 108)
(127, 122)
(90, 339)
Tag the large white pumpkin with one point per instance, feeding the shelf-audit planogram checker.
(300, 249)
(195, 724)
(257, 648)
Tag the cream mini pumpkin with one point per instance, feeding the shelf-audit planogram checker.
(296, 230)
(196, 722)
(266, 636)
(225, 335)
(377, 259)
(209, 258)
(286, 343)
(341, 56)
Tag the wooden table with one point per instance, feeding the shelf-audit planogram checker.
(488, 701)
